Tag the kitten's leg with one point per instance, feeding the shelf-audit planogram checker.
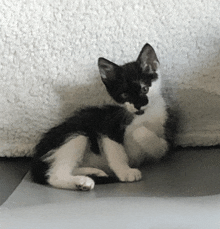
(89, 171)
(149, 142)
(118, 161)
(62, 163)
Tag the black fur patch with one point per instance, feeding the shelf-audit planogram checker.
(92, 122)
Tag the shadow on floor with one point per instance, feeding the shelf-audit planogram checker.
(188, 172)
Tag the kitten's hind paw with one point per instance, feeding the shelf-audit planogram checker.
(130, 175)
(84, 184)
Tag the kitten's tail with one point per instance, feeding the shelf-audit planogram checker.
(38, 171)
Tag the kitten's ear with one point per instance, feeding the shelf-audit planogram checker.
(107, 69)
(147, 59)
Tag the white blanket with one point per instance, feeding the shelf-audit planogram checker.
(49, 51)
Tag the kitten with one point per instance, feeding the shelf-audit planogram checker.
(110, 140)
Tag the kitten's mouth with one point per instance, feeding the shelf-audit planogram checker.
(139, 112)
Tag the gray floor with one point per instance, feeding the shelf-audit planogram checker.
(12, 171)
(182, 192)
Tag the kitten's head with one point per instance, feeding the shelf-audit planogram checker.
(129, 84)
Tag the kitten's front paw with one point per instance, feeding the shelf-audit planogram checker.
(130, 175)
(84, 184)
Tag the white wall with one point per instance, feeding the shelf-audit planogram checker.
(49, 51)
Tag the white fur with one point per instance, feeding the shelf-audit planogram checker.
(144, 137)
(130, 107)
(63, 162)
(68, 164)
(119, 161)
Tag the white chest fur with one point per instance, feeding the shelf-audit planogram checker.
(144, 137)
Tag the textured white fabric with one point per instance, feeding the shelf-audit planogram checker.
(49, 51)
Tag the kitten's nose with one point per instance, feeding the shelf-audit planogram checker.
(141, 103)
(137, 107)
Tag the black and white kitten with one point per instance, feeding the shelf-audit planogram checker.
(110, 140)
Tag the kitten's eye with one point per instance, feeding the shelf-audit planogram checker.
(145, 89)
(124, 95)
